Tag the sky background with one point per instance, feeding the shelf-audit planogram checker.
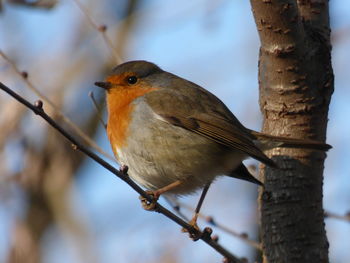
(212, 44)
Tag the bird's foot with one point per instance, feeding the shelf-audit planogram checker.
(194, 232)
(150, 205)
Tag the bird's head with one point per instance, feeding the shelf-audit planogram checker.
(132, 76)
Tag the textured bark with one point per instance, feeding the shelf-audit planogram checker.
(296, 83)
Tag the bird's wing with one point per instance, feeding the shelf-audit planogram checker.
(202, 113)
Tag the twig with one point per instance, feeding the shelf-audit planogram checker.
(213, 222)
(37, 108)
(345, 217)
(175, 206)
(98, 111)
(35, 4)
(58, 112)
(100, 28)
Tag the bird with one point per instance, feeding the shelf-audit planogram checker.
(175, 136)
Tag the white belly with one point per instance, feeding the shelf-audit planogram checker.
(159, 154)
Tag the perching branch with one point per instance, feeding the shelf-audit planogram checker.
(205, 235)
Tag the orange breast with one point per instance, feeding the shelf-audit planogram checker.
(120, 107)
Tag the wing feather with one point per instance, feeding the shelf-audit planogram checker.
(220, 134)
(195, 109)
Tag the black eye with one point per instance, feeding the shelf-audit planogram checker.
(131, 80)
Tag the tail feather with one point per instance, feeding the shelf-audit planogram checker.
(266, 142)
(241, 172)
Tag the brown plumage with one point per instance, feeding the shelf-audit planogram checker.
(168, 129)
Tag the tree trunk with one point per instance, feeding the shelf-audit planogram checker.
(296, 84)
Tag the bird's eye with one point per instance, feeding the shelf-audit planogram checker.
(131, 80)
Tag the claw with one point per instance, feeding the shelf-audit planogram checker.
(194, 232)
(147, 205)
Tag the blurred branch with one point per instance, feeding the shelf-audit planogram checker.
(345, 217)
(340, 35)
(10, 115)
(98, 111)
(102, 29)
(37, 108)
(128, 20)
(72, 125)
(28, 248)
(44, 4)
(209, 219)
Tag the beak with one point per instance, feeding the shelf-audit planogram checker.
(104, 85)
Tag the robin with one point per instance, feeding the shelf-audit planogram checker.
(175, 136)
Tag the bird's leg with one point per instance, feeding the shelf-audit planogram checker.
(150, 206)
(193, 221)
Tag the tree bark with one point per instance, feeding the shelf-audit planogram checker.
(296, 84)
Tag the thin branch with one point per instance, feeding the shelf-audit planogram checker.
(175, 205)
(58, 112)
(98, 111)
(37, 108)
(44, 4)
(100, 28)
(345, 217)
(242, 236)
